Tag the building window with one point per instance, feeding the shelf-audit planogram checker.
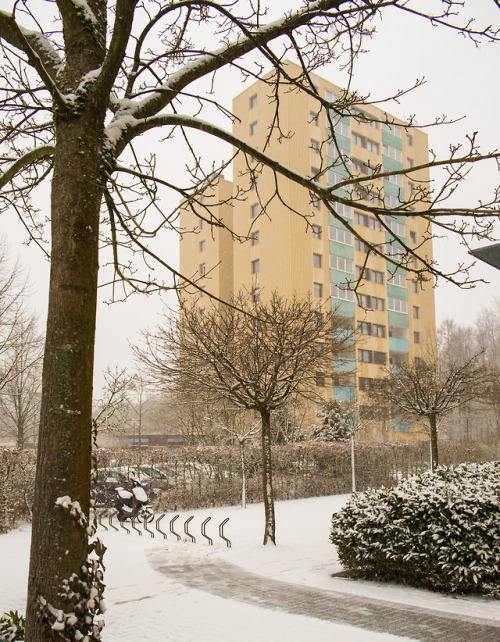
(314, 145)
(409, 139)
(392, 152)
(414, 287)
(367, 221)
(256, 294)
(254, 210)
(320, 379)
(379, 358)
(253, 128)
(313, 118)
(369, 275)
(417, 361)
(340, 263)
(343, 210)
(342, 128)
(315, 173)
(395, 226)
(409, 162)
(393, 129)
(255, 238)
(315, 202)
(366, 356)
(416, 337)
(317, 260)
(366, 143)
(202, 269)
(340, 236)
(341, 293)
(361, 167)
(253, 101)
(378, 330)
(202, 223)
(395, 179)
(316, 231)
(416, 312)
(359, 246)
(396, 279)
(397, 305)
(202, 292)
(256, 266)
(413, 237)
(202, 246)
(318, 290)
(364, 327)
(254, 181)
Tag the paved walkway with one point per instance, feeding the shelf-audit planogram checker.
(229, 581)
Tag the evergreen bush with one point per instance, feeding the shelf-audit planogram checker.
(12, 626)
(437, 530)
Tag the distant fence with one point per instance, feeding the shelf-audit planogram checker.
(195, 477)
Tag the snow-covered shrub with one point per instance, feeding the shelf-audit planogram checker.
(12, 626)
(440, 530)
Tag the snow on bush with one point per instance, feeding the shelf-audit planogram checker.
(439, 530)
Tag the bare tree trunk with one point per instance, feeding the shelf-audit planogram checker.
(267, 479)
(59, 544)
(243, 474)
(434, 442)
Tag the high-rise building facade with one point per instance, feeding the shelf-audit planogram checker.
(295, 246)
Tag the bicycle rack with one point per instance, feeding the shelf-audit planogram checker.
(221, 532)
(186, 524)
(145, 524)
(172, 527)
(132, 523)
(122, 524)
(157, 524)
(203, 531)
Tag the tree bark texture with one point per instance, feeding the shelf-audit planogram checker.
(267, 479)
(434, 442)
(59, 544)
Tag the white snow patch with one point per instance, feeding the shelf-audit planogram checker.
(146, 605)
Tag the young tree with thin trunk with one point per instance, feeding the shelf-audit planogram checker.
(430, 389)
(251, 354)
(77, 94)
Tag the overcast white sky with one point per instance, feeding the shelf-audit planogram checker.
(462, 80)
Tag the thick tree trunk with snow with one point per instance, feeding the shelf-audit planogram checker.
(59, 544)
(434, 441)
(267, 479)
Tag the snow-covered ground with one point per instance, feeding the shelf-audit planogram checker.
(146, 605)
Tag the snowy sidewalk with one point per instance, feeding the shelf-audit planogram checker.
(228, 581)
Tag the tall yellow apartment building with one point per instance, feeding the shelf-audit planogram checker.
(394, 315)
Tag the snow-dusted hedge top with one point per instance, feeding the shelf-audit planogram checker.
(440, 530)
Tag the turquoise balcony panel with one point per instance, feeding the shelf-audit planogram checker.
(396, 292)
(398, 318)
(391, 139)
(339, 249)
(393, 190)
(344, 365)
(398, 425)
(344, 394)
(345, 308)
(398, 345)
(341, 278)
(334, 222)
(337, 166)
(391, 164)
(343, 142)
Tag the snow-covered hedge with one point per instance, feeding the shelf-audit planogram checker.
(439, 530)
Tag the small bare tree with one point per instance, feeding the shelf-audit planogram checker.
(20, 394)
(112, 408)
(431, 388)
(253, 355)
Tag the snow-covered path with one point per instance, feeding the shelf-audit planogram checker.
(144, 604)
